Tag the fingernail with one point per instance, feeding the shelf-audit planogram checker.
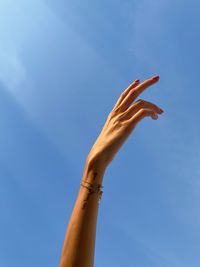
(156, 78)
(155, 116)
(137, 81)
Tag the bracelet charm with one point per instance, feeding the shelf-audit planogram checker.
(92, 189)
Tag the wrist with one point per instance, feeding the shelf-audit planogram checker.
(93, 171)
(96, 161)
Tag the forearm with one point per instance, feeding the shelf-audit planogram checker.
(79, 244)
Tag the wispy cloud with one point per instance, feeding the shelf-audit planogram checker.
(12, 71)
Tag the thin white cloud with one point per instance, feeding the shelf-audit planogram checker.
(12, 71)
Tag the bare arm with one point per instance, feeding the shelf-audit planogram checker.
(79, 244)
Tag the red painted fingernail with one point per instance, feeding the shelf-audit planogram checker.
(156, 77)
(137, 81)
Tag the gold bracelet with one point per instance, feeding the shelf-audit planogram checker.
(91, 188)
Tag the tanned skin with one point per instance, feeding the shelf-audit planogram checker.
(79, 244)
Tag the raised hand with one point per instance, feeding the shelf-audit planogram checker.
(121, 121)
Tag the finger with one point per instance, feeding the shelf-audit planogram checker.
(135, 92)
(124, 93)
(134, 108)
(140, 88)
(142, 113)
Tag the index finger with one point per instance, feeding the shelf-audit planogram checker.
(141, 87)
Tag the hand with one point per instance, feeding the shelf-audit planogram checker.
(121, 121)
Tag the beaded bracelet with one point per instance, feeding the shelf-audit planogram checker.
(91, 188)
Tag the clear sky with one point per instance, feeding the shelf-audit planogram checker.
(63, 65)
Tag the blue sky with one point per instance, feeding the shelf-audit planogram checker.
(63, 65)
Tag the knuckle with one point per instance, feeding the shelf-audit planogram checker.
(140, 101)
(155, 108)
(111, 114)
(152, 104)
(115, 117)
(133, 92)
(120, 116)
(143, 111)
(122, 94)
(115, 111)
